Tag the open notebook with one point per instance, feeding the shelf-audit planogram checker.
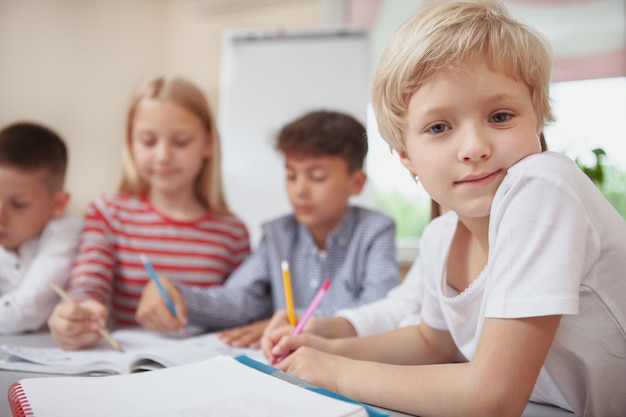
(143, 351)
(222, 385)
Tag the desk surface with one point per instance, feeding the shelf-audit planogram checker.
(44, 340)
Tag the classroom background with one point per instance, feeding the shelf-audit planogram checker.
(73, 64)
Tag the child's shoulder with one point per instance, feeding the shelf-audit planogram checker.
(66, 226)
(548, 174)
(285, 222)
(65, 220)
(117, 206)
(234, 223)
(119, 201)
(547, 183)
(367, 218)
(547, 164)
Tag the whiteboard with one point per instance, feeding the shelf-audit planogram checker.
(267, 79)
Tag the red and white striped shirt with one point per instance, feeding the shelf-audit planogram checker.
(119, 228)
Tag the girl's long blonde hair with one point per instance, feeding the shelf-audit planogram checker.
(208, 183)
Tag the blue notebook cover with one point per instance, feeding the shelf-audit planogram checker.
(270, 370)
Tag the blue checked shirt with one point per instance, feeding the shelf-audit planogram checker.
(360, 260)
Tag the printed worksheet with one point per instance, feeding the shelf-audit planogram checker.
(142, 350)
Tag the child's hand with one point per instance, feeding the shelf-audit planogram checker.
(244, 336)
(153, 312)
(319, 368)
(279, 326)
(280, 341)
(75, 325)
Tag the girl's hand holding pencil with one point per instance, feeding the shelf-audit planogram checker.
(162, 307)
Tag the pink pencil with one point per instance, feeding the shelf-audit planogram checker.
(307, 315)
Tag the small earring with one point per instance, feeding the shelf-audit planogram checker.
(414, 177)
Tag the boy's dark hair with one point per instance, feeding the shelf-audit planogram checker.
(31, 147)
(325, 133)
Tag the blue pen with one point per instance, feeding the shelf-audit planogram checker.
(154, 278)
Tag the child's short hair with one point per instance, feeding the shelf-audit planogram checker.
(208, 185)
(448, 35)
(325, 133)
(31, 147)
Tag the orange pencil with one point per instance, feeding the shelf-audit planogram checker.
(291, 314)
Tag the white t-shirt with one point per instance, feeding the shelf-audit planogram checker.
(26, 299)
(401, 307)
(556, 247)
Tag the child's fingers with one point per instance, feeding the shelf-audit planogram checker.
(244, 336)
(80, 340)
(93, 311)
(74, 325)
(293, 343)
(71, 318)
(288, 344)
(153, 311)
(168, 321)
(270, 339)
(158, 318)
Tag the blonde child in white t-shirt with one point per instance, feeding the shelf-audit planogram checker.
(524, 277)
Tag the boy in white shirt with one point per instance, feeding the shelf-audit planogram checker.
(38, 240)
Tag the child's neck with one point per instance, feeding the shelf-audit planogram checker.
(469, 252)
(478, 228)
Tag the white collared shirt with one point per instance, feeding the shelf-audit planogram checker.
(26, 299)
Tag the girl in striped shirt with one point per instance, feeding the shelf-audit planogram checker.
(170, 207)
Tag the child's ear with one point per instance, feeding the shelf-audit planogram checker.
(59, 203)
(358, 181)
(406, 161)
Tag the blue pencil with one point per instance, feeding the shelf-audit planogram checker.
(154, 278)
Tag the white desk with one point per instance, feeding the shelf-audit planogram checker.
(44, 340)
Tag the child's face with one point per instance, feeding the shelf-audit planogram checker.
(169, 144)
(464, 130)
(26, 205)
(319, 189)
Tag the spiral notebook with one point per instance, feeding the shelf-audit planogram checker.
(222, 385)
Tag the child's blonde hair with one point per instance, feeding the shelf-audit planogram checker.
(448, 35)
(208, 183)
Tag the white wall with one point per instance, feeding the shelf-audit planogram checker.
(73, 65)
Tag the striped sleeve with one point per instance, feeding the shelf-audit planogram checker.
(119, 229)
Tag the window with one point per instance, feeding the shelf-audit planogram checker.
(590, 115)
(395, 193)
